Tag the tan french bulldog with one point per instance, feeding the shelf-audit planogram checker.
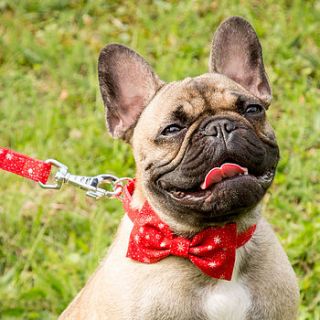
(205, 157)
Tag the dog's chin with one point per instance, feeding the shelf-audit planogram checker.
(222, 202)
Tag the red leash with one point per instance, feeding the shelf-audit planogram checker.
(24, 166)
(39, 171)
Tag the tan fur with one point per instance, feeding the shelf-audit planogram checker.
(265, 266)
(263, 281)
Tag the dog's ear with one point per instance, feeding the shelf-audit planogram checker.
(127, 84)
(236, 52)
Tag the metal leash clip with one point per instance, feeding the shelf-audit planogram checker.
(90, 184)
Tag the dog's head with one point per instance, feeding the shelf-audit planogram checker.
(183, 133)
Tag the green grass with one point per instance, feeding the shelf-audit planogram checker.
(50, 106)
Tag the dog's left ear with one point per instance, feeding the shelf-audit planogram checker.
(236, 52)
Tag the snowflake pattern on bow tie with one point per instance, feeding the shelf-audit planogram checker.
(212, 250)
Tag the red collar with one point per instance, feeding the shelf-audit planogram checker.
(212, 250)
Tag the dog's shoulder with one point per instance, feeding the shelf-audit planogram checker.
(269, 276)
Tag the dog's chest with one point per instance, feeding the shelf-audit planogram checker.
(180, 298)
(174, 289)
(227, 300)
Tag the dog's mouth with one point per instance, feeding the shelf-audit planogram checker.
(217, 180)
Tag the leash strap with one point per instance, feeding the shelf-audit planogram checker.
(24, 166)
(39, 171)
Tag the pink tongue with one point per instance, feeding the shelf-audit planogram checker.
(227, 170)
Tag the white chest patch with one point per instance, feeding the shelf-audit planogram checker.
(228, 300)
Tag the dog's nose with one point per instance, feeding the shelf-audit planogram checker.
(218, 127)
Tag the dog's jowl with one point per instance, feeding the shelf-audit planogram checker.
(192, 243)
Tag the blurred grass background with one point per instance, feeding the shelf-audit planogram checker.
(50, 106)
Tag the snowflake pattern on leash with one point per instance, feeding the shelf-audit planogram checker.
(24, 166)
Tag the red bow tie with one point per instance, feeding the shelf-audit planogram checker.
(212, 250)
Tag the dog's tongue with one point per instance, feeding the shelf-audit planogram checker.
(227, 170)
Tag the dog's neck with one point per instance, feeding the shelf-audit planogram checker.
(187, 229)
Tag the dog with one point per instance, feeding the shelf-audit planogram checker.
(205, 157)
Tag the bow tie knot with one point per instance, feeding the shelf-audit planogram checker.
(180, 247)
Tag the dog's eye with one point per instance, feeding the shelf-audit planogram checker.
(171, 130)
(253, 109)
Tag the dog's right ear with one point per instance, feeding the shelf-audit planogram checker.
(127, 84)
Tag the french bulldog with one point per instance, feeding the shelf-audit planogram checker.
(205, 156)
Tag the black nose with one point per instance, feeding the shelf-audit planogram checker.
(218, 127)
